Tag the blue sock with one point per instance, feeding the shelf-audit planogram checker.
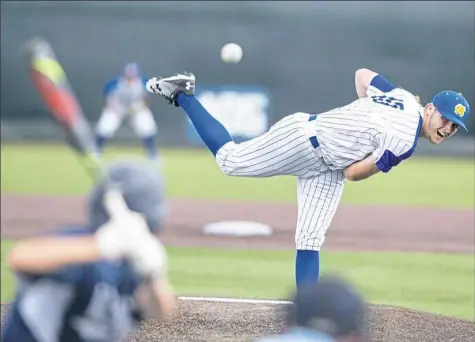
(307, 266)
(213, 134)
(149, 144)
(100, 142)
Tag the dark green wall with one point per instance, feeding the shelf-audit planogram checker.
(305, 53)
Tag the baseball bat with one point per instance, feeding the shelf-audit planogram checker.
(51, 83)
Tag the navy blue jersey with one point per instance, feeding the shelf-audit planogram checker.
(80, 303)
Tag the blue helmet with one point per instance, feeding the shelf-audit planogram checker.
(141, 186)
(452, 106)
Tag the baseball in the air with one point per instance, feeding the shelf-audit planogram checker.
(231, 53)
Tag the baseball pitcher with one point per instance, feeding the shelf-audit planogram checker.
(126, 96)
(372, 134)
(94, 283)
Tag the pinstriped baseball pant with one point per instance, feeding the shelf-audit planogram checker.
(286, 150)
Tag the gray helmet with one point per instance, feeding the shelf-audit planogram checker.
(141, 186)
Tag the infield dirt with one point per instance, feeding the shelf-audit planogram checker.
(357, 228)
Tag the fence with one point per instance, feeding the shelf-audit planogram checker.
(303, 53)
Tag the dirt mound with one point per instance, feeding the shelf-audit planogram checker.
(394, 324)
(210, 321)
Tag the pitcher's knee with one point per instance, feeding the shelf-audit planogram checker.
(235, 167)
(226, 169)
(309, 243)
(223, 159)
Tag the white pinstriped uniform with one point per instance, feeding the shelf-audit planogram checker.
(340, 137)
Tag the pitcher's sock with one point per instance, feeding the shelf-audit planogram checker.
(211, 131)
(307, 266)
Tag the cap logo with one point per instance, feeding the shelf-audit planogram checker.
(460, 110)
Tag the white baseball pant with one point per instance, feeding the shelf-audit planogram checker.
(287, 149)
(141, 120)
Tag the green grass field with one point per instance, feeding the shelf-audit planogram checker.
(435, 283)
(194, 174)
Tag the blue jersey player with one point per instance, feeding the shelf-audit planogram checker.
(95, 283)
(126, 97)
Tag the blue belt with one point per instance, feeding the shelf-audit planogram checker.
(313, 139)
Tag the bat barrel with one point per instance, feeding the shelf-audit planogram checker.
(51, 82)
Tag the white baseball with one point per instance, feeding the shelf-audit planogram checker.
(231, 53)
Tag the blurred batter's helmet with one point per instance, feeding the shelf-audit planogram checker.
(331, 306)
(141, 186)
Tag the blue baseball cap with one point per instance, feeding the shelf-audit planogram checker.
(452, 106)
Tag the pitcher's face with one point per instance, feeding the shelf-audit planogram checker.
(438, 128)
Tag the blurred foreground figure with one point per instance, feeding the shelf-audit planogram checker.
(329, 311)
(96, 282)
(126, 96)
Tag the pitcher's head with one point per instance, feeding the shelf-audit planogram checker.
(447, 111)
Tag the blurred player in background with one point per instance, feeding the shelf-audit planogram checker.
(95, 282)
(127, 96)
(329, 311)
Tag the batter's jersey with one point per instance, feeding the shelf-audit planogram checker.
(124, 94)
(385, 124)
(82, 303)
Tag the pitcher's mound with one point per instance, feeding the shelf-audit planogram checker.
(211, 321)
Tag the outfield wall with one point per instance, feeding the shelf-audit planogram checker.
(303, 54)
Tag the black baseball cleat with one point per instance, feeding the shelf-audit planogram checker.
(170, 87)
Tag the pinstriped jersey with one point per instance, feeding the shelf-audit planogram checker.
(385, 124)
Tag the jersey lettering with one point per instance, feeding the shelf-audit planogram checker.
(388, 101)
